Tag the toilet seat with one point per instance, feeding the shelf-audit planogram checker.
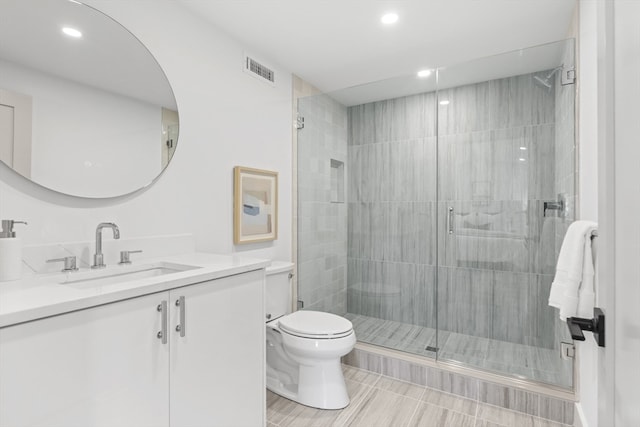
(315, 324)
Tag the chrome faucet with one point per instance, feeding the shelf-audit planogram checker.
(98, 258)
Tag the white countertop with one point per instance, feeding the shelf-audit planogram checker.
(45, 295)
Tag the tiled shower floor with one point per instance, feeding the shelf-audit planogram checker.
(540, 364)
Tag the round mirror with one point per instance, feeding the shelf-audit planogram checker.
(85, 109)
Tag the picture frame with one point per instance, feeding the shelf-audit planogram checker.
(255, 205)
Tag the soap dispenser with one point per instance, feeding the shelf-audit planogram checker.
(10, 251)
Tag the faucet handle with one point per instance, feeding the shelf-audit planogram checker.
(124, 256)
(69, 263)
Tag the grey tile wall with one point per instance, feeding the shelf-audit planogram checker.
(392, 231)
(402, 292)
(496, 165)
(465, 300)
(322, 224)
(399, 119)
(497, 162)
(500, 305)
(392, 210)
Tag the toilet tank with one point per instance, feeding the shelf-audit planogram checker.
(278, 290)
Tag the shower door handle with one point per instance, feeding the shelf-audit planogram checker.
(450, 220)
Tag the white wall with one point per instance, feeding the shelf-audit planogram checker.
(609, 377)
(626, 392)
(587, 351)
(588, 108)
(83, 138)
(227, 118)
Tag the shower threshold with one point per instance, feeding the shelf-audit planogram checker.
(519, 361)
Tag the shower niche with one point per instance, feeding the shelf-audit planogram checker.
(337, 181)
(440, 246)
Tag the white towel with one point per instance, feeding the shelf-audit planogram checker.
(572, 288)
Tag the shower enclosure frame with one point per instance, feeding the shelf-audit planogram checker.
(444, 216)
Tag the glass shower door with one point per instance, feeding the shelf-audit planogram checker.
(392, 234)
(367, 249)
(505, 147)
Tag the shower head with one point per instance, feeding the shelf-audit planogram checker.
(543, 82)
(547, 82)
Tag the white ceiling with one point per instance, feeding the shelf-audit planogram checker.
(335, 44)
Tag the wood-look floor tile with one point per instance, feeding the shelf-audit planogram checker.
(540, 422)
(503, 417)
(508, 421)
(400, 387)
(359, 375)
(485, 423)
(450, 401)
(305, 416)
(428, 415)
(278, 407)
(382, 408)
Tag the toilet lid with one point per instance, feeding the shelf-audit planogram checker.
(315, 324)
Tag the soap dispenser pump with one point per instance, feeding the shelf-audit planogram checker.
(10, 251)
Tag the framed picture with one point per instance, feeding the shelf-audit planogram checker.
(255, 205)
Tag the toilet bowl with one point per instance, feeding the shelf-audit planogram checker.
(304, 348)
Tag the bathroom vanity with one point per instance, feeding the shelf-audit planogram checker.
(181, 347)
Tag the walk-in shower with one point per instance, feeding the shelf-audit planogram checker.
(421, 210)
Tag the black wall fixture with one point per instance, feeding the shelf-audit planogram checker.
(596, 325)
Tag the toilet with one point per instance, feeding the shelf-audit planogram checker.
(304, 347)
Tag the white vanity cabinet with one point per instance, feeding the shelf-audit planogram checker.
(101, 366)
(107, 366)
(217, 367)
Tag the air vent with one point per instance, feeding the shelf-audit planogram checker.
(259, 70)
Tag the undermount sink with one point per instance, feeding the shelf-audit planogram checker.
(119, 274)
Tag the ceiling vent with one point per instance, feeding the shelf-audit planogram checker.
(258, 70)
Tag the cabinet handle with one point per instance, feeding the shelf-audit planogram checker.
(162, 308)
(181, 326)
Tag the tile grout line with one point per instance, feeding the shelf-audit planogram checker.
(285, 416)
(477, 400)
(535, 417)
(358, 405)
(415, 411)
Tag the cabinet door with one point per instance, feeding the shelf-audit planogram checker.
(217, 367)
(102, 366)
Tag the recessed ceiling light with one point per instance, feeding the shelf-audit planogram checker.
(523, 148)
(72, 32)
(389, 18)
(444, 102)
(424, 73)
(522, 159)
